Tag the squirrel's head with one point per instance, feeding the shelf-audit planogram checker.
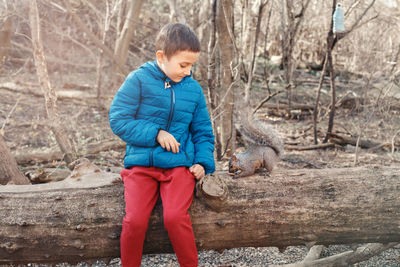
(234, 166)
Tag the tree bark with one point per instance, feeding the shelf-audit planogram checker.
(211, 77)
(316, 107)
(330, 45)
(9, 171)
(70, 223)
(125, 36)
(226, 92)
(204, 31)
(290, 26)
(5, 40)
(99, 67)
(57, 127)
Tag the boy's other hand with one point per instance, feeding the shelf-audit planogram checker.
(168, 141)
(198, 171)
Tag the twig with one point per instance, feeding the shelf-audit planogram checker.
(266, 100)
(216, 116)
(235, 80)
(58, 166)
(353, 6)
(357, 152)
(394, 136)
(9, 115)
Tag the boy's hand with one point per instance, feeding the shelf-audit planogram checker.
(198, 171)
(168, 141)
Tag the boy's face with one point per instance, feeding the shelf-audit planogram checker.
(178, 65)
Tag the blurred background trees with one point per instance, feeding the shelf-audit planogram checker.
(96, 43)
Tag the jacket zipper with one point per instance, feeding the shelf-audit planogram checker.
(171, 112)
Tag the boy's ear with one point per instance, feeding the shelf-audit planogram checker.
(160, 56)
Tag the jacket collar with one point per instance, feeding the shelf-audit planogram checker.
(157, 72)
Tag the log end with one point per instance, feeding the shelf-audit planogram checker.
(212, 191)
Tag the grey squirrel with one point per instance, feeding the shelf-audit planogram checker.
(265, 146)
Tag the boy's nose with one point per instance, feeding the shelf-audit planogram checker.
(187, 71)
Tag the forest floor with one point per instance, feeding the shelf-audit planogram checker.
(366, 108)
(369, 111)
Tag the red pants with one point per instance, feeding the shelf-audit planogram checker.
(141, 193)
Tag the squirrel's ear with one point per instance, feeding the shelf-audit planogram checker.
(234, 157)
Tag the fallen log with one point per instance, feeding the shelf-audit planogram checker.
(47, 175)
(77, 96)
(344, 140)
(310, 147)
(79, 219)
(25, 157)
(367, 144)
(61, 94)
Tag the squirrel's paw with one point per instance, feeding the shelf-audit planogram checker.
(234, 172)
(237, 174)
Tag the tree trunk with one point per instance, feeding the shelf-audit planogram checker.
(226, 92)
(9, 171)
(99, 68)
(203, 32)
(57, 127)
(125, 36)
(291, 25)
(316, 107)
(330, 45)
(61, 222)
(211, 77)
(5, 40)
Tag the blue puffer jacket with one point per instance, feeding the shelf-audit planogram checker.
(144, 104)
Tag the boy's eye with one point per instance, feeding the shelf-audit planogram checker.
(183, 65)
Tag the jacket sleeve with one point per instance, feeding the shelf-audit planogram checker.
(203, 137)
(122, 115)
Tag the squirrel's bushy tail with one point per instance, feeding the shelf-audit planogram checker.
(258, 132)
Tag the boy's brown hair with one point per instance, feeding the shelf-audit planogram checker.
(174, 37)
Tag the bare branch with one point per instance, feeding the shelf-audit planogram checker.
(262, 102)
(394, 136)
(50, 96)
(93, 37)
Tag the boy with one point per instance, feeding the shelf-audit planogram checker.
(160, 112)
